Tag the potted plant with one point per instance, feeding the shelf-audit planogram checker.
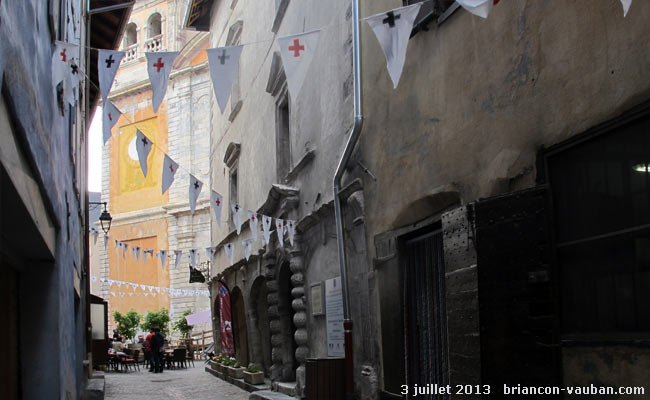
(253, 375)
(235, 370)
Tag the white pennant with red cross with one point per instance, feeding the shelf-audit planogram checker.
(143, 147)
(266, 228)
(229, 248)
(393, 30)
(216, 201)
(169, 170)
(159, 66)
(210, 252)
(65, 67)
(481, 8)
(248, 245)
(252, 222)
(297, 52)
(279, 226)
(107, 63)
(110, 115)
(195, 190)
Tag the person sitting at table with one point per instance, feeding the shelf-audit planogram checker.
(118, 345)
(157, 342)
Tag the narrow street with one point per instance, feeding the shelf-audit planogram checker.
(185, 383)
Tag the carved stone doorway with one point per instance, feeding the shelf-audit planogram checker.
(258, 319)
(240, 332)
(287, 328)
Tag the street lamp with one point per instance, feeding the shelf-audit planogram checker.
(104, 219)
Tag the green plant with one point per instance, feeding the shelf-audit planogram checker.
(127, 324)
(181, 326)
(253, 368)
(157, 319)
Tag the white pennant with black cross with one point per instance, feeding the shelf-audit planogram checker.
(216, 201)
(252, 223)
(159, 66)
(229, 248)
(279, 226)
(393, 30)
(297, 52)
(163, 258)
(291, 230)
(169, 170)
(108, 61)
(266, 228)
(195, 190)
(236, 216)
(110, 115)
(143, 147)
(192, 257)
(124, 249)
(137, 254)
(95, 233)
(224, 62)
(178, 254)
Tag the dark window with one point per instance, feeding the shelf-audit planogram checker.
(601, 197)
(431, 10)
(131, 35)
(233, 196)
(283, 139)
(154, 25)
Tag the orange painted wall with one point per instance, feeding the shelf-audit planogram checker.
(147, 235)
(130, 190)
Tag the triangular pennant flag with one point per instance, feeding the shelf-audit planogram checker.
(252, 223)
(73, 78)
(146, 294)
(137, 253)
(229, 248)
(61, 60)
(93, 279)
(195, 189)
(132, 252)
(159, 65)
(178, 254)
(142, 286)
(169, 170)
(107, 63)
(112, 293)
(224, 62)
(248, 244)
(297, 51)
(481, 8)
(393, 30)
(192, 256)
(150, 287)
(291, 229)
(144, 255)
(210, 252)
(626, 6)
(122, 294)
(95, 234)
(236, 216)
(124, 248)
(118, 283)
(110, 115)
(153, 294)
(266, 228)
(216, 200)
(163, 258)
(279, 226)
(143, 146)
(102, 280)
(130, 293)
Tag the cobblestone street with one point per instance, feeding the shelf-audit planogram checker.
(190, 383)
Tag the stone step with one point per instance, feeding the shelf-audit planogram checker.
(288, 388)
(269, 395)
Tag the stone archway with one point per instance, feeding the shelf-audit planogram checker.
(240, 331)
(260, 346)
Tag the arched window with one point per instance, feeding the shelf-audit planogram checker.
(131, 35)
(154, 26)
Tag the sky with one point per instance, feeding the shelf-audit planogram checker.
(95, 153)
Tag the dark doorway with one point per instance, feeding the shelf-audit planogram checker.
(285, 313)
(240, 333)
(259, 318)
(9, 363)
(425, 312)
(216, 325)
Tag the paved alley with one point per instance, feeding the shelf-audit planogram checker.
(190, 383)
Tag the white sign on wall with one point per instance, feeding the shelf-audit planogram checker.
(334, 316)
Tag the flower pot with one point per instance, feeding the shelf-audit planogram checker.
(237, 373)
(254, 378)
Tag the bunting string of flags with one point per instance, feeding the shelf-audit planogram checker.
(148, 290)
(392, 30)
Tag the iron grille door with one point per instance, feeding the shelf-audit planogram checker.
(426, 333)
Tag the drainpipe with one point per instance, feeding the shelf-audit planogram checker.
(352, 140)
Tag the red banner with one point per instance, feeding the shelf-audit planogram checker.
(227, 342)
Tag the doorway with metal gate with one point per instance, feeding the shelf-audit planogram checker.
(425, 322)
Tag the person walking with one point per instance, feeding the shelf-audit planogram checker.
(157, 342)
(147, 349)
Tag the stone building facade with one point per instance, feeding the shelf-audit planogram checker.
(142, 216)
(44, 271)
